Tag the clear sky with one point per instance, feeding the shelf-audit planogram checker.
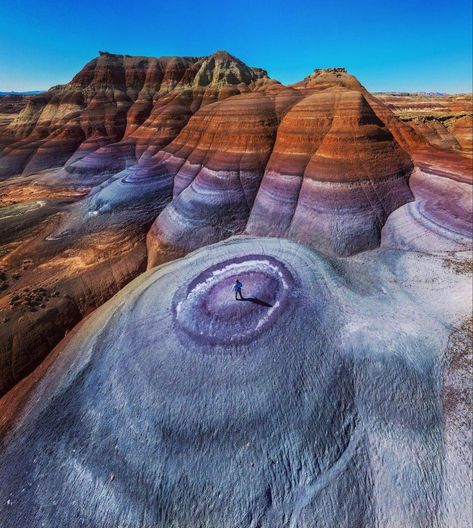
(401, 45)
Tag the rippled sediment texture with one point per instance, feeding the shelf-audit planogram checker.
(314, 402)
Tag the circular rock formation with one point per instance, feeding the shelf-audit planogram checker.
(204, 310)
(314, 402)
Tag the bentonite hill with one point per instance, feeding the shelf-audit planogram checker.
(138, 393)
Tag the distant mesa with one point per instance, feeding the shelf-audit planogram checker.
(31, 92)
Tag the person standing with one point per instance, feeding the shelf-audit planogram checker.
(237, 289)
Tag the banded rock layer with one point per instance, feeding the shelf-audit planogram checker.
(139, 160)
(444, 120)
(113, 97)
(326, 171)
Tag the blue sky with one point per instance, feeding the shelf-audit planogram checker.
(388, 44)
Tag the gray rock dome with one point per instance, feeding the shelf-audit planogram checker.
(174, 405)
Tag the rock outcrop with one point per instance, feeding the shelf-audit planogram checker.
(10, 106)
(328, 171)
(313, 402)
(139, 160)
(444, 120)
(105, 130)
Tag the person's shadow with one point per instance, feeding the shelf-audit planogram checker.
(254, 300)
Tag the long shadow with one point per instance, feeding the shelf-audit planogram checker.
(256, 301)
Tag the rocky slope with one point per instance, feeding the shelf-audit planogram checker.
(326, 170)
(140, 160)
(444, 120)
(316, 401)
(10, 106)
(117, 111)
(111, 97)
(440, 219)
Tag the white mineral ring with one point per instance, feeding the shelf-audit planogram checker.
(207, 311)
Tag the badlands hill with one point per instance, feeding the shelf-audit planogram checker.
(334, 395)
(444, 120)
(318, 401)
(182, 152)
(138, 161)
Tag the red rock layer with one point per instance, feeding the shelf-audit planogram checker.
(324, 170)
(445, 121)
(112, 97)
(104, 128)
(462, 129)
(333, 183)
(217, 162)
